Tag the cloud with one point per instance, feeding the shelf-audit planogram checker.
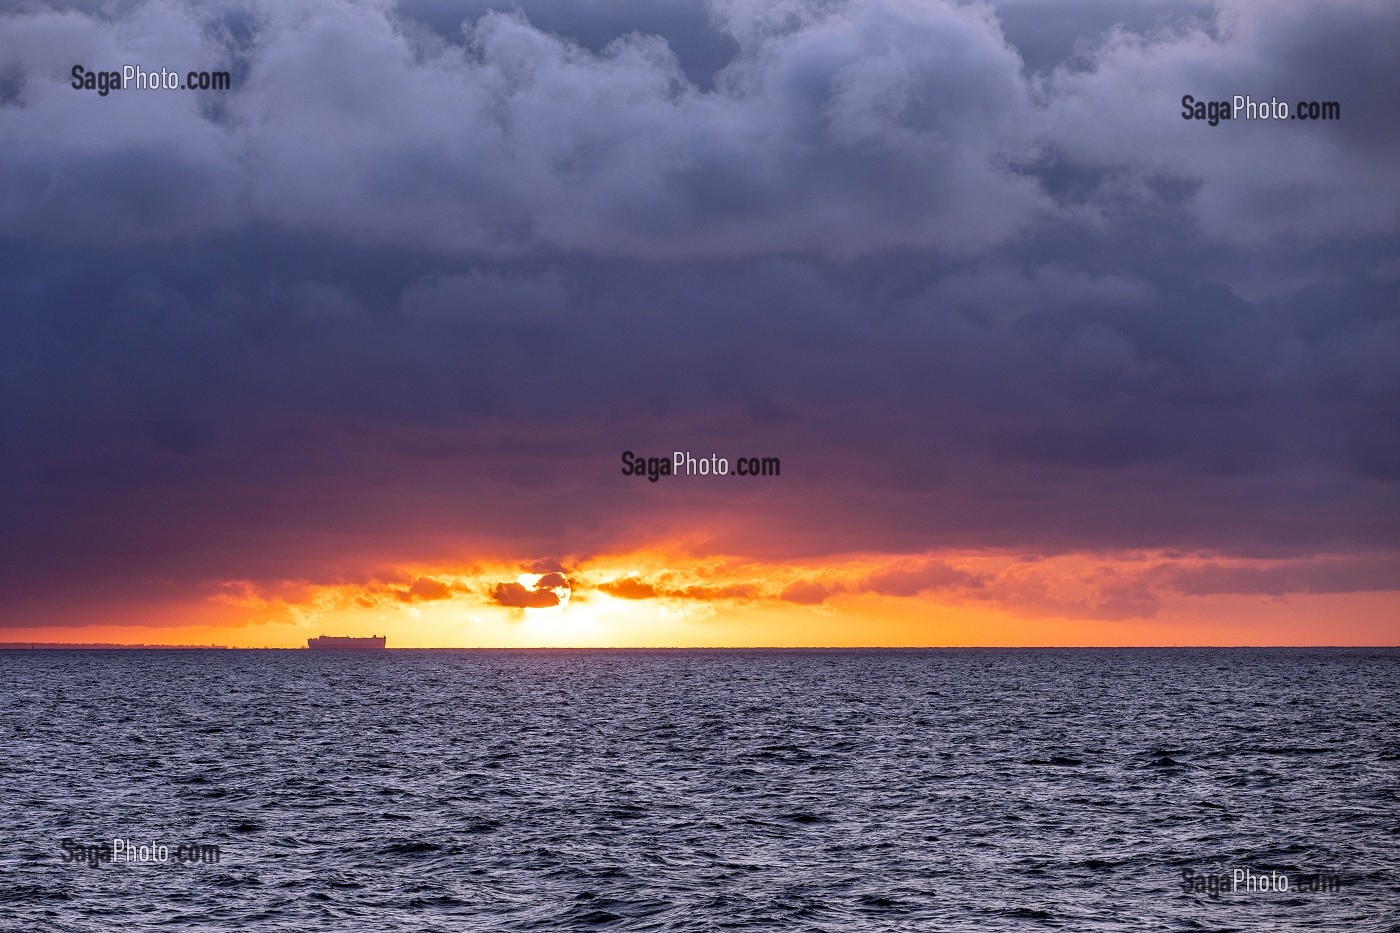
(732, 591)
(409, 289)
(629, 588)
(871, 126)
(517, 596)
(1347, 575)
(633, 587)
(920, 578)
(1068, 31)
(1245, 181)
(805, 593)
(839, 129)
(426, 588)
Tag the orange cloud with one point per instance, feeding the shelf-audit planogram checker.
(805, 593)
(518, 596)
(922, 577)
(660, 598)
(427, 588)
(628, 588)
(551, 580)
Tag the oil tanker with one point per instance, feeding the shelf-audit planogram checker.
(342, 642)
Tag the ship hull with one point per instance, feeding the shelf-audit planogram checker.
(342, 643)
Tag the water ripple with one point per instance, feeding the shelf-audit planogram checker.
(701, 790)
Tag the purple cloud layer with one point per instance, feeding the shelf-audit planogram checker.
(419, 278)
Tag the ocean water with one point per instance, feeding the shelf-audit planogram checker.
(788, 791)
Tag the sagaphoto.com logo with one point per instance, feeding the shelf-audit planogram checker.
(1243, 107)
(1258, 881)
(687, 463)
(118, 851)
(135, 77)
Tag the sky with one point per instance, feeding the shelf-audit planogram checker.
(357, 346)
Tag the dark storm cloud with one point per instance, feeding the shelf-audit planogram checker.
(867, 126)
(835, 128)
(701, 49)
(1069, 32)
(411, 288)
(1249, 182)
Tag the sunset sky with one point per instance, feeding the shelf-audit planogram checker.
(356, 346)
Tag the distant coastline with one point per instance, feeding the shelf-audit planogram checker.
(79, 646)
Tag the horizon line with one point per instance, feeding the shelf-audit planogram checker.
(116, 646)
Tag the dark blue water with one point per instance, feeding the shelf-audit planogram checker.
(693, 790)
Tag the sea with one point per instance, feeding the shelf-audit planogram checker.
(700, 790)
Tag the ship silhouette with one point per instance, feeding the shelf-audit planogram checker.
(339, 642)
